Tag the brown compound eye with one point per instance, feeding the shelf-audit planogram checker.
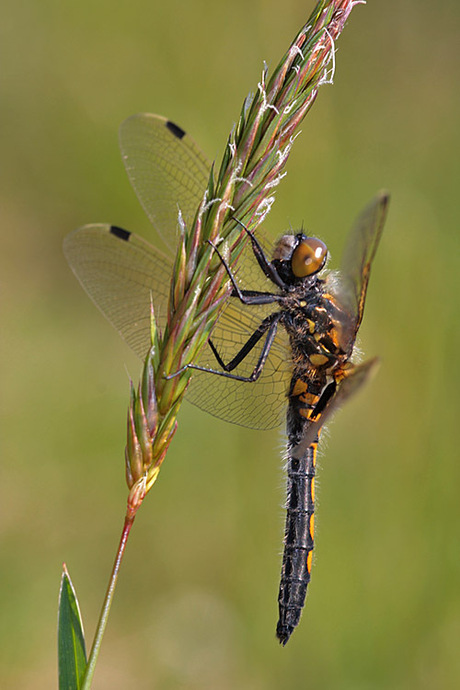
(308, 258)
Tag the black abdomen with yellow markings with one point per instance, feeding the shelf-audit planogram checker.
(298, 542)
(317, 355)
(300, 513)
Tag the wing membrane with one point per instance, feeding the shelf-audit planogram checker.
(257, 405)
(122, 273)
(167, 170)
(121, 276)
(357, 258)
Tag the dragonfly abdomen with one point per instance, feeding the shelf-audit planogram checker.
(298, 542)
(300, 507)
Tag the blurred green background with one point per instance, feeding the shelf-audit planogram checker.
(196, 602)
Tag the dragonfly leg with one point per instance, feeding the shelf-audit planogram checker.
(270, 322)
(327, 394)
(246, 296)
(268, 326)
(266, 265)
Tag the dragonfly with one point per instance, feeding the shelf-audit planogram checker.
(287, 340)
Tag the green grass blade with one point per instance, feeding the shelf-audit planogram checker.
(71, 639)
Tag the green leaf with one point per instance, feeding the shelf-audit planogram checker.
(71, 639)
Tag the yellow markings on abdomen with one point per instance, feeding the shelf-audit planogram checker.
(300, 391)
(306, 412)
(312, 525)
(318, 360)
(309, 398)
(300, 387)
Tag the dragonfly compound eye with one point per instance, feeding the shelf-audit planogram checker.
(309, 257)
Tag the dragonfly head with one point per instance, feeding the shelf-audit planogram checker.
(300, 255)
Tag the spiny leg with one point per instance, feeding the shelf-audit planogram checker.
(246, 296)
(266, 265)
(268, 325)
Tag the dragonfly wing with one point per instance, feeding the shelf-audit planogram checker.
(167, 170)
(122, 274)
(355, 378)
(357, 258)
(258, 404)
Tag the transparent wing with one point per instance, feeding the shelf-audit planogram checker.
(258, 405)
(357, 258)
(122, 273)
(262, 404)
(167, 170)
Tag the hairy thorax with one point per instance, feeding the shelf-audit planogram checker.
(313, 321)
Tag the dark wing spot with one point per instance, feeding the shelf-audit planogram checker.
(119, 232)
(175, 129)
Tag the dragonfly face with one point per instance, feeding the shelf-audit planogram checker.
(287, 336)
